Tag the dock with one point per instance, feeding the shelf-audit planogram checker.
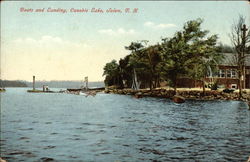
(85, 92)
(40, 91)
(45, 88)
(89, 89)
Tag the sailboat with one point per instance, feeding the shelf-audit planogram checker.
(135, 83)
(85, 91)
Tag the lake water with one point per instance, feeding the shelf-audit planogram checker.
(108, 127)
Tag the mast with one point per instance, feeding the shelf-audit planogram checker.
(135, 84)
(86, 82)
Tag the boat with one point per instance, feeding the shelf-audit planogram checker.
(88, 93)
(137, 96)
(73, 90)
(178, 99)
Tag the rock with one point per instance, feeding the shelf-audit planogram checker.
(228, 90)
(163, 90)
(120, 91)
(192, 97)
(178, 99)
(219, 97)
(139, 93)
(159, 95)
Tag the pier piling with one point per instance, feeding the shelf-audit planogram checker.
(34, 79)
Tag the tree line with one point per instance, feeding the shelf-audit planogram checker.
(191, 53)
(14, 83)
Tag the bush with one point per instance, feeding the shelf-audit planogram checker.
(214, 86)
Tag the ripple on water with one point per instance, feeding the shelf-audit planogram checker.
(24, 138)
(17, 153)
(16, 121)
(49, 147)
(73, 157)
(154, 151)
(77, 139)
(46, 159)
(54, 133)
(26, 129)
(115, 127)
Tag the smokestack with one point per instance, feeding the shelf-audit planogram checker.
(34, 79)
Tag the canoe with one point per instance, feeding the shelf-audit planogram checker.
(178, 99)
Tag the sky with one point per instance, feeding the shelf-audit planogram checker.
(72, 45)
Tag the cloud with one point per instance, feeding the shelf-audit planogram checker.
(47, 41)
(158, 26)
(119, 31)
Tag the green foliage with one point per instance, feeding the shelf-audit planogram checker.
(214, 86)
(126, 71)
(111, 71)
(134, 46)
(190, 52)
(147, 62)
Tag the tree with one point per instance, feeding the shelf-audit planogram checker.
(174, 58)
(126, 71)
(111, 73)
(133, 63)
(147, 61)
(223, 48)
(240, 39)
(205, 60)
(189, 53)
(154, 59)
(134, 46)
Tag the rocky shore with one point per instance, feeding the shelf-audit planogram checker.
(187, 94)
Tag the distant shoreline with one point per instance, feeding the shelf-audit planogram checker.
(51, 84)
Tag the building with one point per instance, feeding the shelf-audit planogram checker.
(226, 76)
(45, 88)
